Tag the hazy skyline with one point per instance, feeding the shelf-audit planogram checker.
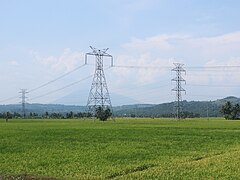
(41, 40)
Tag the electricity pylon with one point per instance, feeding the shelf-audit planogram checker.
(23, 97)
(99, 95)
(178, 89)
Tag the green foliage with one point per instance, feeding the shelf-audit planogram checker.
(103, 114)
(9, 115)
(231, 111)
(192, 109)
(125, 149)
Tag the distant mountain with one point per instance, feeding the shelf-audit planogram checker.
(203, 108)
(42, 108)
(80, 98)
(232, 99)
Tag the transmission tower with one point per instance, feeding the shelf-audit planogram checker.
(99, 95)
(23, 97)
(178, 89)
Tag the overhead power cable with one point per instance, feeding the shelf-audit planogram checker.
(9, 99)
(212, 67)
(209, 96)
(142, 67)
(64, 87)
(56, 79)
(169, 67)
(137, 93)
(214, 85)
(45, 84)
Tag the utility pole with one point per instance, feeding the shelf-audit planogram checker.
(99, 95)
(178, 89)
(23, 97)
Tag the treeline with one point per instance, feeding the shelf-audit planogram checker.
(70, 115)
(100, 115)
(166, 115)
(8, 115)
(183, 115)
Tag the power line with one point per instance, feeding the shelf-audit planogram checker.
(142, 67)
(8, 99)
(64, 87)
(214, 85)
(202, 95)
(133, 92)
(45, 84)
(169, 67)
(139, 85)
(219, 69)
(212, 67)
(56, 79)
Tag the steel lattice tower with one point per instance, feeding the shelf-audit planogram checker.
(178, 89)
(23, 102)
(99, 95)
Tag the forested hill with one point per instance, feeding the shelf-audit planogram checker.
(42, 108)
(202, 108)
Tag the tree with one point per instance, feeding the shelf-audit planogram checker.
(236, 111)
(69, 115)
(133, 115)
(46, 114)
(103, 114)
(230, 111)
(8, 116)
(226, 110)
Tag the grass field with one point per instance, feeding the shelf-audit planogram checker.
(125, 149)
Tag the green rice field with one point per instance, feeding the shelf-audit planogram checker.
(129, 148)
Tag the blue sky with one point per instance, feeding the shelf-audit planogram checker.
(41, 40)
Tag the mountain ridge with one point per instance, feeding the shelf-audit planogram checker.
(203, 108)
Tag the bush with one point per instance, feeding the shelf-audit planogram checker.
(103, 114)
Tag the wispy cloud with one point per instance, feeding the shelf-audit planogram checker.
(14, 63)
(139, 5)
(64, 62)
(157, 51)
(163, 42)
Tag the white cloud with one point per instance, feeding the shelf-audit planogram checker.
(157, 51)
(218, 46)
(141, 75)
(221, 48)
(64, 62)
(163, 42)
(225, 39)
(14, 63)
